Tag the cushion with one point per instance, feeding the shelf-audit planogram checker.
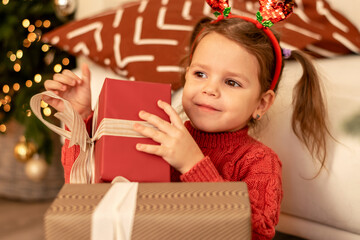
(348, 8)
(146, 40)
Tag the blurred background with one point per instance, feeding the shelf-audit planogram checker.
(30, 170)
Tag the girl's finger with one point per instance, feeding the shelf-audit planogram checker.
(170, 111)
(149, 132)
(148, 148)
(85, 73)
(52, 85)
(65, 79)
(156, 121)
(72, 76)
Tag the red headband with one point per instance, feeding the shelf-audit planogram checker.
(276, 46)
(270, 12)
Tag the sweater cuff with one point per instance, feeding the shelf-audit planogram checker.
(203, 171)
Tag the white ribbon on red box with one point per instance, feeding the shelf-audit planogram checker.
(83, 168)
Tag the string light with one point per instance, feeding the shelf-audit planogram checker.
(26, 43)
(57, 68)
(12, 57)
(16, 86)
(26, 23)
(28, 113)
(37, 78)
(3, 102)
(31, 28)
(46, 23)
(7, 108)
(43, 104)
(65, 61)
(45, 48)
(19, 54)
(16, 60)
(17, 67)
(32, 37)
(2, 126)
(6, 89)
(47, 111)
(38, 23)
(7, 99)
(28, 83)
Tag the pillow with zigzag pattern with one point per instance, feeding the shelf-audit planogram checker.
(146, 40)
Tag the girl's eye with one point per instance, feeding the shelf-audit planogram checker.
(200, 74)
(232, 83)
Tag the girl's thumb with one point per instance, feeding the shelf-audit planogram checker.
(85, 73)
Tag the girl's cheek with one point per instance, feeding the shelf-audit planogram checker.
(187, 90)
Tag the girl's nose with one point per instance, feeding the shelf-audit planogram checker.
(211, 89)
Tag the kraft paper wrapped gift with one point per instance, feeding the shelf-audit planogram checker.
(117, 155)
(160, 211)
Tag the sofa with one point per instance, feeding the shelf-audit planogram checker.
(323, 207)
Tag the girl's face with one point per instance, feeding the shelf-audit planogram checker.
(222, 89)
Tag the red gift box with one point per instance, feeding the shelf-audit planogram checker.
(117, 155)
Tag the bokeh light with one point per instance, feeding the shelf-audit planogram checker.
(37, 78)
(28, 83)
(26, 23)
(57, 68)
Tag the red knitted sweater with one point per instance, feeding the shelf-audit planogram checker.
(231, 156)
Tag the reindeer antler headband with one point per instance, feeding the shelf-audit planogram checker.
(270, 12)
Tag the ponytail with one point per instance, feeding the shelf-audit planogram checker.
(309, 117)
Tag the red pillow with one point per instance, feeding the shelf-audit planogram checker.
(146, 40)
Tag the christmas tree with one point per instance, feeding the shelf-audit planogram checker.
(26, 62)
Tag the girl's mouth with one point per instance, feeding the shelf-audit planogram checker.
(207, 107)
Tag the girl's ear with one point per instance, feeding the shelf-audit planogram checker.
(266, 101)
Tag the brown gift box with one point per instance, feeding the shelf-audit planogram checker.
(163, 211)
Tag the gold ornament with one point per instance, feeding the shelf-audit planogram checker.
(36, 168)
(23, 151)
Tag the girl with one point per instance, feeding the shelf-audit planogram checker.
(229, 86)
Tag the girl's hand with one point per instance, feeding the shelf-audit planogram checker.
(73, 89)
(177, 146)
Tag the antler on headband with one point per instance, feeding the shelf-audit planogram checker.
(270, 11)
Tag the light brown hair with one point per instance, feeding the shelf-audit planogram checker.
(309, 116)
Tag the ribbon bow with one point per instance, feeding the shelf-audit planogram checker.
(83, 168)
